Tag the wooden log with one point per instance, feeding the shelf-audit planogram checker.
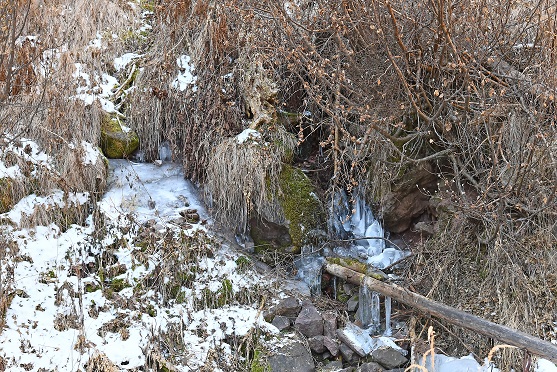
(460, 318)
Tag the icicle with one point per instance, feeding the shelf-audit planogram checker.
(335, 287)
(388, 328)
(375, 313)
(364, 313)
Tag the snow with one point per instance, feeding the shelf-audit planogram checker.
(91, 154)
(52, 313)
(248, 134)
(443, 363)
(544, 365)
(185, 78)
(123, 61)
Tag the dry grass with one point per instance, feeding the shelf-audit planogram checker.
(242, 179)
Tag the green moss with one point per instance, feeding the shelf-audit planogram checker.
(90, 287)
(299, 203)
(117, 285)
(115, 143)
(243, 263)
(258, 363)
(151, 311)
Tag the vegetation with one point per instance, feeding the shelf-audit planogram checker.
(451, 101)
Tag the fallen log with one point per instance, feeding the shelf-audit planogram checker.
(460, 318)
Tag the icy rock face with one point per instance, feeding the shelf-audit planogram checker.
(357, 222)
(309, 271)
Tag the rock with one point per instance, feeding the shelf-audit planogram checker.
(388, 358)
(289, 307)
(316, 344)
(190, 215)
(334, 365)
(117, 143)
(309, 322)
(370, 367)
(291, 357)
(347, 353)
(347, 369)
(407, 200)
(330, 324)
(266, 234)
(331, 345)
(356, 338)
(281, 322)
(352, 303)
(302, 209)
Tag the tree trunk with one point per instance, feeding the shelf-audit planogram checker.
(460, 318)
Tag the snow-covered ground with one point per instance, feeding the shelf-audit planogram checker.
(67, 306)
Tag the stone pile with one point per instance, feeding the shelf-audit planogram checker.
(334, 348)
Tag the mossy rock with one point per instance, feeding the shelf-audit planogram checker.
(301, 206)
(269, 235)
(115, 142)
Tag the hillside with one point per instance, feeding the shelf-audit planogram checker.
(166, 167)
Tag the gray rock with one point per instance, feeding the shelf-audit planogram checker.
(309, 322)
(289, 307)
(331, 345)
(396, 370)
(291, 357)
(352, 303)
(281, 322)
(316, 344)
(347, 353)
(370, 367)
(348, 369)
(388, 358)
(334, 365)
(329, 324)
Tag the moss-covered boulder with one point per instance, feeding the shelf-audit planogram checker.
(301, 206)
(117, 141)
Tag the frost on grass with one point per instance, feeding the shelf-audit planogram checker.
(133, 286)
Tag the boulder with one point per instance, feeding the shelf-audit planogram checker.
(407, 199)
(117, 141)
(267, 234)
(302, 208)
(352, 303)
(316, 344)
(331, 345)
(388, 358)
(281, 322)
(291, 357)
(329, 324)
(370, 367)
(334, 365)
(347, 353)
(289, 307)
(309, 322)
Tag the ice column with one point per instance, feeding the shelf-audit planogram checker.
(369, 310)
(309, 271)
(388, 328)
(375, 313)
(364, 306)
